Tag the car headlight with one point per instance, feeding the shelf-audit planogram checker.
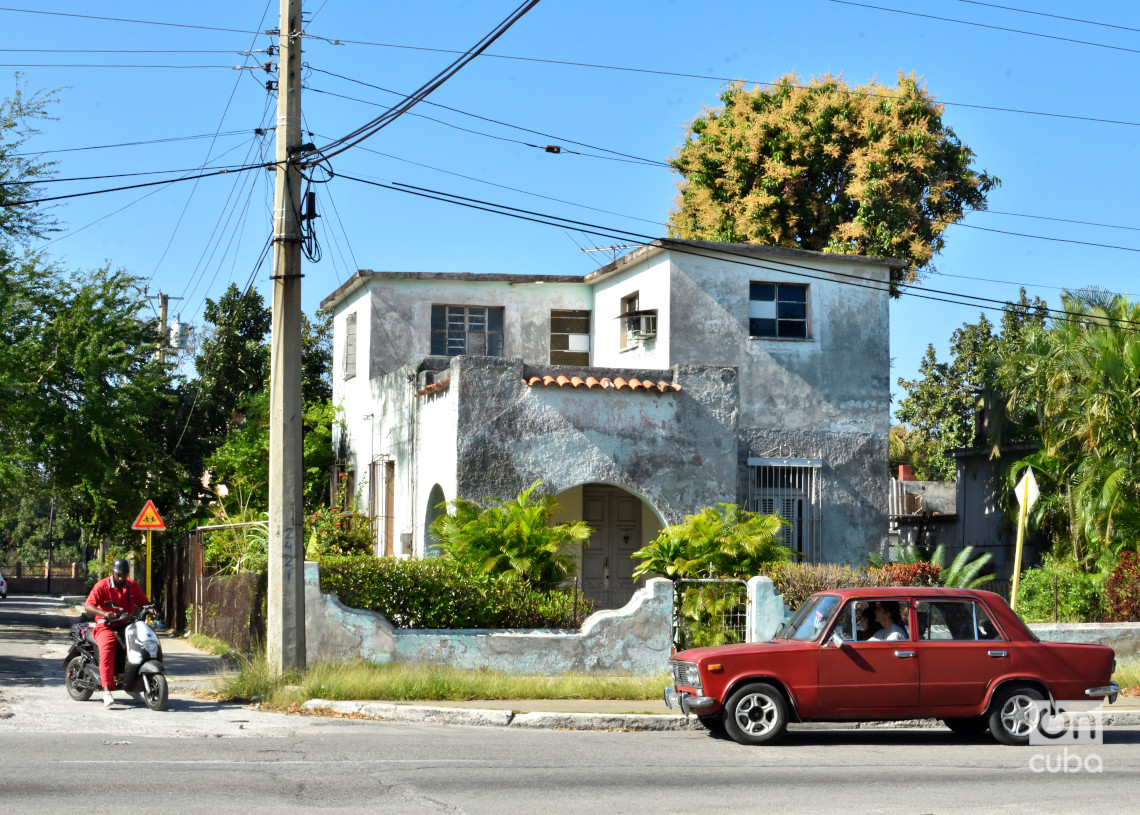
(686, 673)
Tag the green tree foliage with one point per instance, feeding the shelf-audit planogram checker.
(867, 170)
(941, 407)
(83, 401)
(499, 536)
(20, 170)
(316, 357)
(720, 541)
(1079, 376)
(232, 362)
(962, 573)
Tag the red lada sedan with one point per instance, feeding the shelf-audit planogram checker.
(959, 655)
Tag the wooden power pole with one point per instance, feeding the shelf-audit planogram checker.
(286, 623)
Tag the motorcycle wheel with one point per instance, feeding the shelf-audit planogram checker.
(74, 679)
(155, 691)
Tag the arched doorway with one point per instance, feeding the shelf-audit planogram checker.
(433, 511)
(622, 524)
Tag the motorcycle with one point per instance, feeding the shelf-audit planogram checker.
(138, 660)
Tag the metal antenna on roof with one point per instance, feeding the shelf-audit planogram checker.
(613, 249)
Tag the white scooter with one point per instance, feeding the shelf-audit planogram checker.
(138, 660)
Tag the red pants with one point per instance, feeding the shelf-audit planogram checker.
(105, 639)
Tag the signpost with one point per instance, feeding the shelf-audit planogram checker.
(150, 520)
(1027, 494)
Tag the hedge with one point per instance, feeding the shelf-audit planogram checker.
(443, 593)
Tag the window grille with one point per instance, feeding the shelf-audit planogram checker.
(467, 330)
(789, 488)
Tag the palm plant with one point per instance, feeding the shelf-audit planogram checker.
(500, 536)
(1081, 375)
(962, 573)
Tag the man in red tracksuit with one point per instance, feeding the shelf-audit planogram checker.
(111, 598)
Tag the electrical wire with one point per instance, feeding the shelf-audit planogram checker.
(371, 128)
(131, 143)
(126, 20)
(120, 175)
(907, 289)
(558, 139)
(1053, 16)
(712, 78)
(131, 186)
(991, 27)
(543, 147)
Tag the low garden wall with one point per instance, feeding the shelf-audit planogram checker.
(1124, 638)
(635, 639)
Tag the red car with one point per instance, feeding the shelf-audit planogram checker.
(959, 655)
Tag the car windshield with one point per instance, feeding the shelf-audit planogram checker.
(811, 618)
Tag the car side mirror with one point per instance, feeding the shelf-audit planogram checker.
(836, 640)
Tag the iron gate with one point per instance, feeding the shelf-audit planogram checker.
(709, 611)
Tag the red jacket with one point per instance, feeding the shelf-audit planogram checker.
(105, 594)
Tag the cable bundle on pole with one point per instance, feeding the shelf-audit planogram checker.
(410, 101)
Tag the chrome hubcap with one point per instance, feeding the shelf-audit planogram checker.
(1019, 715)
(756, 714)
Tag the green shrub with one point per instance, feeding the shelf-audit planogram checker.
(331, 532)
(444, 593)
(1080, 595)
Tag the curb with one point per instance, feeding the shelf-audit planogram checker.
(482, 717)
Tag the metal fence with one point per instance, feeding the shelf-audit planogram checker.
(709, 611)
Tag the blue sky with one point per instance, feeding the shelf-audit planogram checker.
(192, 239)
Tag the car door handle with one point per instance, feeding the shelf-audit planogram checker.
(904, 654)
(998, 654)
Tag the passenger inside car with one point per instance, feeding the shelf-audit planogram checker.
(888, 616)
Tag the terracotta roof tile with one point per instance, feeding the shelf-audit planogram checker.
(434, 388)
(589, 382)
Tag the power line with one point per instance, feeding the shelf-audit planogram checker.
(543, 147)
(133, 143)
(1043, 237)
(402, 107)
(712, 78)
(118, 175)
(148, 67)
(135, 186)
(991, 27)
(121, 51)
(1053, 16)
(559, 139)
(1060, 220)
(956, 298)
(126, 20)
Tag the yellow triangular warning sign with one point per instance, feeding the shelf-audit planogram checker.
(148, 518)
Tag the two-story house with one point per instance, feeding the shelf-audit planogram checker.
(681, 375)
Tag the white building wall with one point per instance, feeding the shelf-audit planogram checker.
(650, 279)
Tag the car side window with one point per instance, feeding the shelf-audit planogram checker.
(863, 620)
(954, 620)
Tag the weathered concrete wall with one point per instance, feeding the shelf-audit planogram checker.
(766, 609)
(677, 450)
(1124, 638)
(649, 278)
(635, 639)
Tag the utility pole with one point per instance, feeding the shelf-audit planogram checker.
(286, 586)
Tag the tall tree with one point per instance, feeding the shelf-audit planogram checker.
(942, 406)
(866, 170)
(232, 361)
(20, 171)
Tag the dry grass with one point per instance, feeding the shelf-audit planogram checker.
(401, 683)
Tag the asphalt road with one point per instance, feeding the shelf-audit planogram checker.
(202, 757)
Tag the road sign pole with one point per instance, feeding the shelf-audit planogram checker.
(148, 594)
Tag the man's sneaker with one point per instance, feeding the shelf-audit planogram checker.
(108, 699)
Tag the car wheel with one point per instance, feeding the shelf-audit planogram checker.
(713, 723)
(756, 714)
(970, 728)
(1014, 714)
(76, 681)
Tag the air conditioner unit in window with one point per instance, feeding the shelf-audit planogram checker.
(641, 327)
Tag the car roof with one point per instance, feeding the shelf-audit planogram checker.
(911, 591)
